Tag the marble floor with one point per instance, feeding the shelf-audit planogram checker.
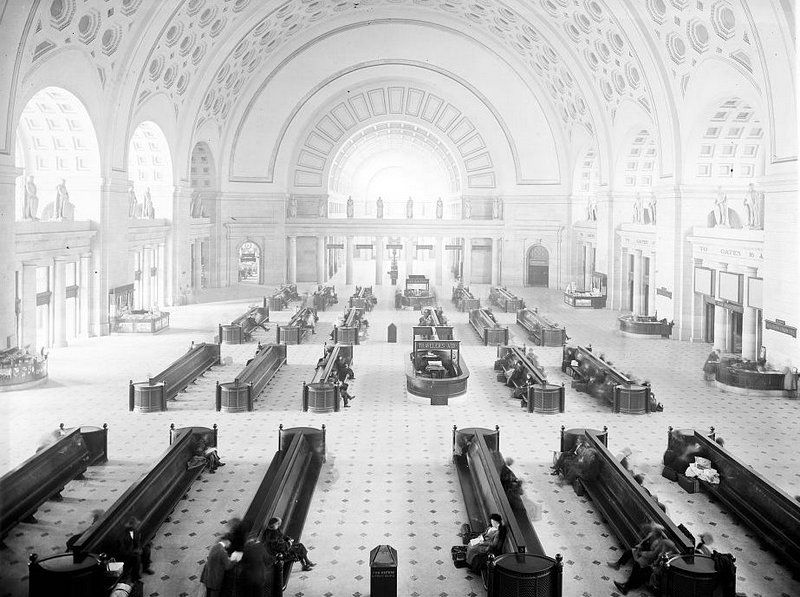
(388, 476)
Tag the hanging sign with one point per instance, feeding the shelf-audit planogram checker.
(394, 246)
(335, 246)
(664, 292)
(424, 247)
(779, 325)
(453, 247)
(369, 246)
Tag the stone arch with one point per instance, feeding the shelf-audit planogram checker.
(202, 178)
(150, 167)
(55, 141)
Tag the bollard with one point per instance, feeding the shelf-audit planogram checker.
(391, 334)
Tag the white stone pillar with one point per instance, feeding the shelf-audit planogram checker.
(495, 261)
(750, 346)
(637, 283)
(161, 279)
(378, 260)
(321, 260)
(651, 299)
(85, 294)
(8, 266)
(348, 264)
(467, 274)
(197, 252)
(587, 266)
(720, 327)
(28, 305)
(292, 274)
(438, 277)
(59, 304)
(147, 264)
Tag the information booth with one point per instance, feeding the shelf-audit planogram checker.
(418, 292)
(124, 319)
(594, 298)
(436, 370)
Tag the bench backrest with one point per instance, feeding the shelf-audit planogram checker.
(150, 499)
(598, 363)
(30, 484)
(263, 366)
(188, 367)
(481, 318)
(323, 373)
(537, 373)
(629, 507)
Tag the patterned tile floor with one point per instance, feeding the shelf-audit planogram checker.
(388, 476)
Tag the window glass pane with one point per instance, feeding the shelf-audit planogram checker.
(42, 279)
(70, 278)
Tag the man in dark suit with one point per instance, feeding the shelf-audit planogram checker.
(257, 568)
(217, 564)
(281, 546)
(134, 554)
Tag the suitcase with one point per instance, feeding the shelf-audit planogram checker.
(459, 554)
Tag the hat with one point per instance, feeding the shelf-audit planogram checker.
(274, 523)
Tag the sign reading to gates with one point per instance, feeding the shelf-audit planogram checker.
(394, 246)
(369, 246)
(779, 325)
(437, 344)
(335, 246)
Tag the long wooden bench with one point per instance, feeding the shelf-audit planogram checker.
(287, 488)
(438, 330)
(518, 370)
(241, 329)
(770, 512)
(152, 395)
(541, 331)
(150, 500)
(324, 297)
(464, 300)
(487, 328)
(239, 395)
(505, 300)
(322, 393)
(39, 479)
(363, 298)
(281, 297)
(348, 330)
(301, 323)
(602, 380)
(476, 454)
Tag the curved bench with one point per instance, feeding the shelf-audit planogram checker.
(239, 395)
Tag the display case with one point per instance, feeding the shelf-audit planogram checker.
(20, 369)
(124, 319)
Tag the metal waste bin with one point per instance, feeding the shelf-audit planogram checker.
(383, 571)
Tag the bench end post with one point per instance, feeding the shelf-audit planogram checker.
(130, 395)
(250, 397)
(215, 430)
(497, 433)
(280, 435)
(324, 445)
(218, 398)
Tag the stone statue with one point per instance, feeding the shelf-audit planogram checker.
(439, 208)
(379, 208)
(496, 208)
(466, 208)
(651, 208)
(410, 208)
(148, 211)
(62, 199)
(292, 211)
(591, 209)
(721, 208)
(31, 205)
(758, 217)
(638, 209)
(350, 207)
(322, 207)
(133, 202)
(753, 206)
(500, 207)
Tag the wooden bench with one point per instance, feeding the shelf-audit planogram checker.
(324, 297)
(239, 395)
(41, 478)
(301, 323)
(518, 370)
(476, 454)
(322, 393)
(602, 380)
(348, 330)
(464, 300)
(363, 298)
(287, 488)
(541, 331)
(152, 395)
(280, 299)
(487, 328)
(241, 329)
(150, 500)
(505, 300)
(770, 512)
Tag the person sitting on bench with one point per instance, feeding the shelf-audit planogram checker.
(644, 562)
(284, 547)
(491, 541)
(204, 455)
(652, 531)
(345, 394)
(343, 370)
(562, 459)
(134, 554)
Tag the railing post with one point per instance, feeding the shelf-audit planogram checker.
(324, 447)
(280, 435)
(216, 434)
(130, 395)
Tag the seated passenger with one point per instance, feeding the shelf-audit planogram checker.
(491, 541)
(562, 459)
(281, 546)
(652, 532)
(204, 455)
(343, 370)
(644, 563)
(131, 550)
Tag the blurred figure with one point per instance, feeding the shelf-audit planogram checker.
(133, 552)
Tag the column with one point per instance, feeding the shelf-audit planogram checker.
(720, 317)
(467, 273)
(348, 264)
(378, 260)
(161, 281)
(438, 278)
(85, 295)
(410, 254)
(652, 290)
(321, 260)
(750, 346)
(8, 265)
(587, 266)
(28, 305)
(147, 264)
(180, 244)
(637, 283)
(292, 274)
(495, 261)
(59, 304)
(197, 252)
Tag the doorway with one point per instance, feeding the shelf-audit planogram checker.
(708, 335)
(538, 260)
(249, 263)
(735, 332)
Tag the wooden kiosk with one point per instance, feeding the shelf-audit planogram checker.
(436, 370)
(418, 292)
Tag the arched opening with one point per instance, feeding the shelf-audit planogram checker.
(249, 263)
(150, 170)
(57, 148)
(538, 266)
(584, 185)
(203, 180)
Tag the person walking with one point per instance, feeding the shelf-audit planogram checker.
(217, 564)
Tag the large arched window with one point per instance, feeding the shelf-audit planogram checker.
(150, 168)
(203, 180)
(56, 144)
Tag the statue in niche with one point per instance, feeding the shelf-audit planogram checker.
(292, 209)
(62, 200)
(133, 202)
(148, 211)
(410, 208)
(721, 209)
(379, 209)
(466, 208)
(350, 207)
(322, 207)
(439, 208)
(591, 209)
(651, 208)
(638, 209)
(496, 208)
(31, 205)
(753, 206)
